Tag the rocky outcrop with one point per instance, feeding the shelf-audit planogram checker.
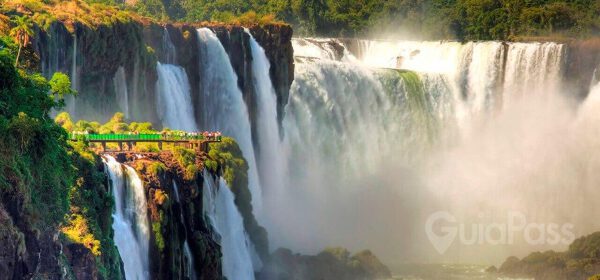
(332, 263)
(583, 62)
(26, 251)
(174, 222)
(580, 261)
(276, 39)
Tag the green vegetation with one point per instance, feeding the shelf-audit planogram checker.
(34, 156)
(22, 32)
(187, 159)
(79, 232)
(432, 19)
(440, 19)
(415, 110)
(91, 13)
(578, 262)
(59, 185)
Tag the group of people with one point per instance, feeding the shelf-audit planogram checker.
(212, 135)
(209, 135)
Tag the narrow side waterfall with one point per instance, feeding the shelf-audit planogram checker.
(222, 105)
(169, 48)
(270, 158)
(120, 83)
(224, 216)
(130, 219)
(190, 271)
(173, 98)
(70, 100)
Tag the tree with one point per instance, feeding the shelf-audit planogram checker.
(22, 32)
(60, 86)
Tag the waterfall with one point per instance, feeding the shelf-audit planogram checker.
(175, 108)
(222, 104)
(130, 219)
(343, 122)
(375, 144)
(270, 159)
(528, 64)
(168, 48)
(188, 260)
(120, 84)
(219, 207)
(70, 100)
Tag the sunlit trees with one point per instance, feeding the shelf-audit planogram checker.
(21, 32)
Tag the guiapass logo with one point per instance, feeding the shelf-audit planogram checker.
(442, 229)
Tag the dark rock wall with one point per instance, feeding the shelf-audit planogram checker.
(99, 52)
(168, 226)
(137, 46)
(583, 62)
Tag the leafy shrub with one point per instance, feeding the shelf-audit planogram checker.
(78, 231)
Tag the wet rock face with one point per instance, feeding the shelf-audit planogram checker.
(277, 42)
(332, 263)
(580, 261)
(92, 55)
(174, 222)
(583, 65)
(81, 259)
(26, 252)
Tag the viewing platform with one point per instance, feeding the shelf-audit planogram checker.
(192, 140)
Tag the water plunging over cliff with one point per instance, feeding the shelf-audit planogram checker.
(74, 75)
(222, 105)
(377, 142)
(130, 219)
(175, 108)
(120, 83)
(270, 155)
(189, 270)
(224, 216)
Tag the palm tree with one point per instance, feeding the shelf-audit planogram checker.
(22, 32)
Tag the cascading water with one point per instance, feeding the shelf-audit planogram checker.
(224, 216)
(173, 98)
(130, 219)
(169, 48)
(411, 128)
(528, 64)
(70, 100)
(342, 123)
(190, 272)
(222, 105)
(270, 157)
(120, 83)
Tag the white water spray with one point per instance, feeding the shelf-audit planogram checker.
(173, 98)
(70, 99)
(270, 158)
(130, 219)
(222, 105)
(120, 84)
(343, 133)
(224, 216)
